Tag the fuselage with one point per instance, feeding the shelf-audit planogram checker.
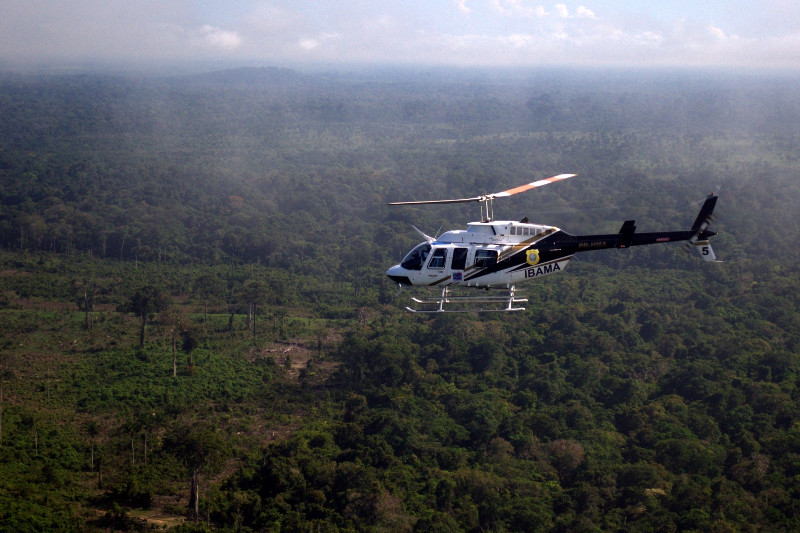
(502, 253)
(486, 254)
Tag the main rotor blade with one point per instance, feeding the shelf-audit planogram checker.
(529, 186)
(459, 200)
(486, 197)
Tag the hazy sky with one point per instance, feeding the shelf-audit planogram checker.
(739, 33)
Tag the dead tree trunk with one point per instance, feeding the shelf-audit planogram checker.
(175, 349)
(254, 320)
(194, 495)
(142, 330)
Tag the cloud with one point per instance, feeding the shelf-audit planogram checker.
(648, 38)
(584, 13)
(716, 32)
(516, 8)
(519, 40)
(461, 32)
(220, 39)
(311, 43)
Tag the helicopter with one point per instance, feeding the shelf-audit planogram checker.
(498, 254)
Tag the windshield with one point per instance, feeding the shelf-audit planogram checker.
(416, 257)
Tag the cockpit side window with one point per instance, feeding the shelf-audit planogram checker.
(438, 259)
(416, 257)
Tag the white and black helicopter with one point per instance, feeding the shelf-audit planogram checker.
(498, 254)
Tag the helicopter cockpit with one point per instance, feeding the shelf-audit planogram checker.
(416, 257)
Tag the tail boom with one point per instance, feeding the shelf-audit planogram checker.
(698, 235)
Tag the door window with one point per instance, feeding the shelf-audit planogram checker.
(459, 258)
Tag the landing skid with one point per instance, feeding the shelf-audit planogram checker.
(466, 304)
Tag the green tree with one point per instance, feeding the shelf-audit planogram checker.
(253, 293)
(84, 290)
(199, 447)
(176, 322)
(207, 288)
(4, 375)
(147, 299)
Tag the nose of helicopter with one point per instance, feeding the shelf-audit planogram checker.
(399, 275)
